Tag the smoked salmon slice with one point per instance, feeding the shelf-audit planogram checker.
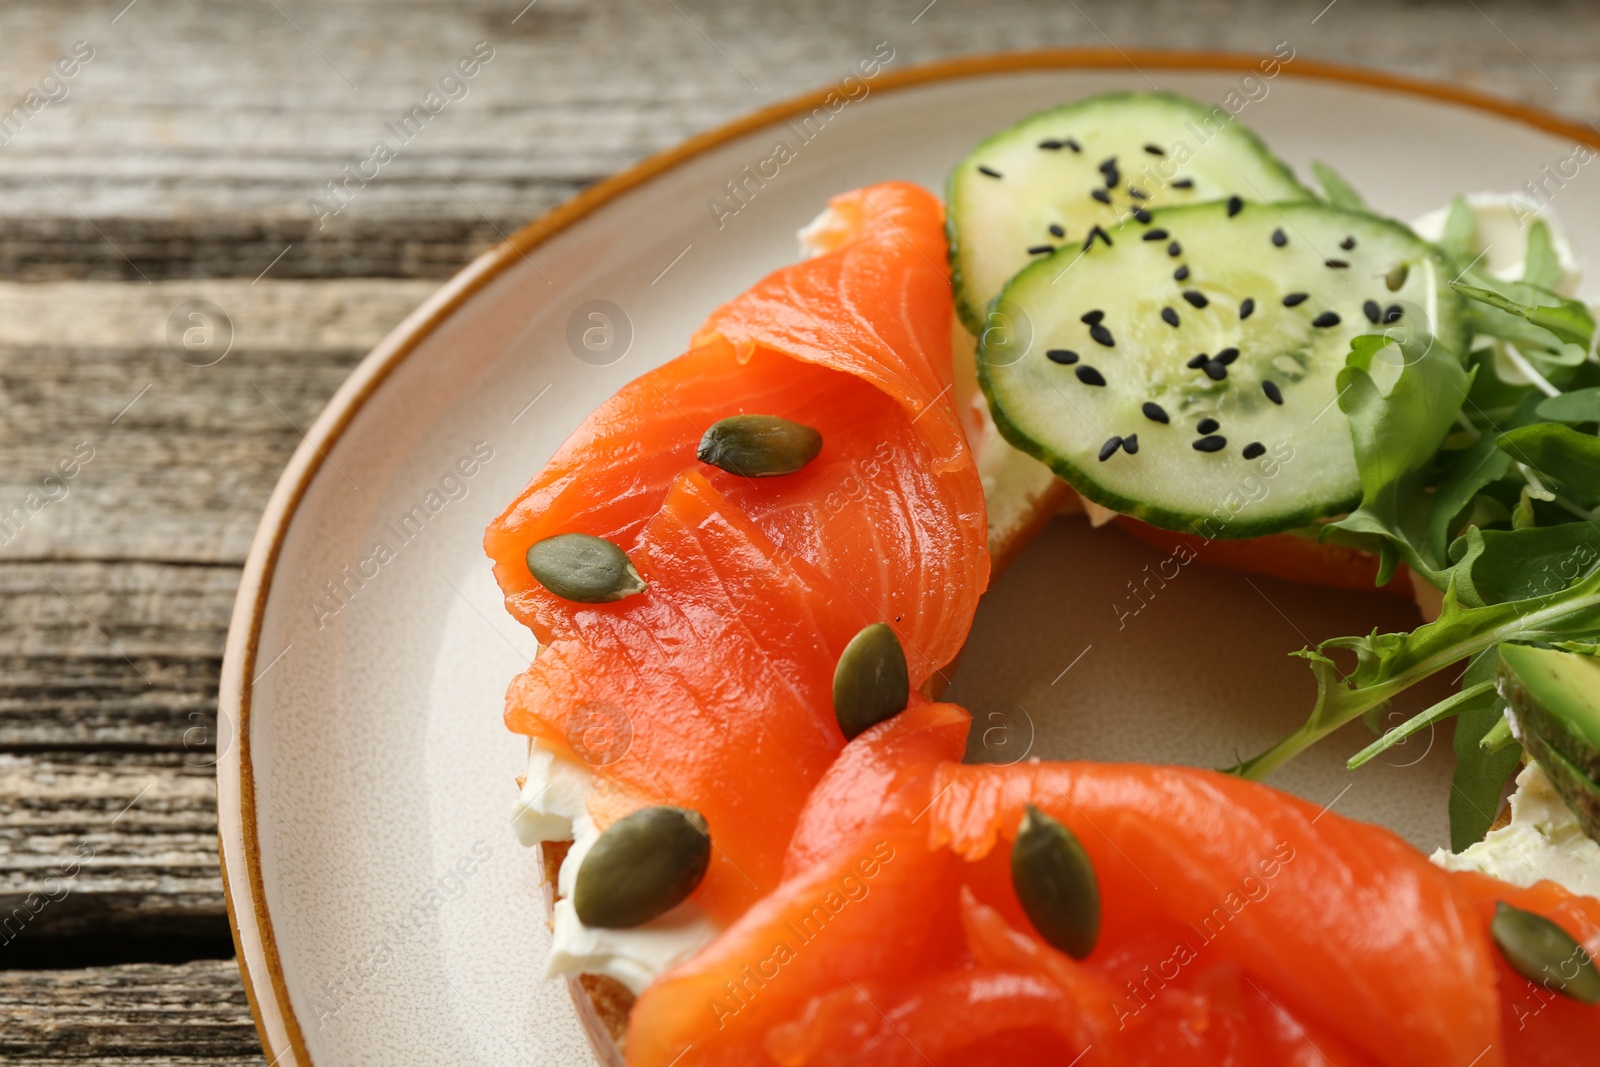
(854, 342)
(855, 906)
(1240, 927)
(713, 689)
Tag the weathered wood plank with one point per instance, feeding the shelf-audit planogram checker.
(142, 1014)
(107, 842)
(113, 656)
(170, 461)
(207, 168)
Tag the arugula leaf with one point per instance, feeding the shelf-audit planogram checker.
(1396, 436)
(1540, 264)
(1389, 664)
(1339, 192)
(1569, 320)
(1565, 458)
(1481, 773)
(1460, 227)
(1444, 709)
(1534, 561)
(1578, 405)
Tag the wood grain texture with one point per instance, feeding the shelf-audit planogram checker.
(189, 145)
(178, 168)
(131, 1016)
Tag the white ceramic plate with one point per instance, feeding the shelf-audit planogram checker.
(384, 912)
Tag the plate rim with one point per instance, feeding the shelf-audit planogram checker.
(268, 994)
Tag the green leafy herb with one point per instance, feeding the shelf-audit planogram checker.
(1569, 320)
(1397, 435)
(1540, 265)
(1339, 192)
(1389, 664)
(1460, 229)
(1578, 406)
(1567, 461)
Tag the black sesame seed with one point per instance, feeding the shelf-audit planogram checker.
(1109, 171)
(1130, 444)
(1138, 194)
(1102, 335)
(1326, 319)
(1169, 316)
(1089, 318)
(1155, 235)
(1207, 426)
(1040, 250)
(1253, 449)
(1348, 243)
(1336, 264)
(1295, 299)
(1088, 242)
(1107, 165)
(990, 171)
(1372, 311)
(1174, 249)
(1089, 376)
(1212, 443)
(1155, 412)
(1227, 356)
(1216, 371)
(1247, 307)
(1195, 297)
(1143, 216)
(1109, 449)
(1274, 394)
(1393, 313)
(1050, 146)
(1056, 230)
(1181, 274)
(1065, 356)
(1279, 238)
(1235, 205)
(1183, 183)
(1196, 362)
(1101, 195)
(1155, 150)
(1070, 143)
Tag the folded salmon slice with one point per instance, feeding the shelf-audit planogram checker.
(856, 906)
(1240, 927)
(854, 342)
(713, 691)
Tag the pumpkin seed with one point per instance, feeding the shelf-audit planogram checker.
(1396, 278)
(1056, 884)
(871, 683)
(584, 568)
(643, 866)
(759, 446)
(1542, 952)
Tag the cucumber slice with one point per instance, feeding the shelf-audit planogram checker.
(1032, 187)
(1223, 382)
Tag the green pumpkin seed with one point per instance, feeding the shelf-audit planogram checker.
(1396, 278)
(584, 568)
(871, 683)
(1056, 884)
(1542, 952)
(759, 446)
(643, 866)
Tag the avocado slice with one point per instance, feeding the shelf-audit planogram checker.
(1555, 698)
(1556, 695)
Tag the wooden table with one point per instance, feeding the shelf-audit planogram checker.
(175, 166)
